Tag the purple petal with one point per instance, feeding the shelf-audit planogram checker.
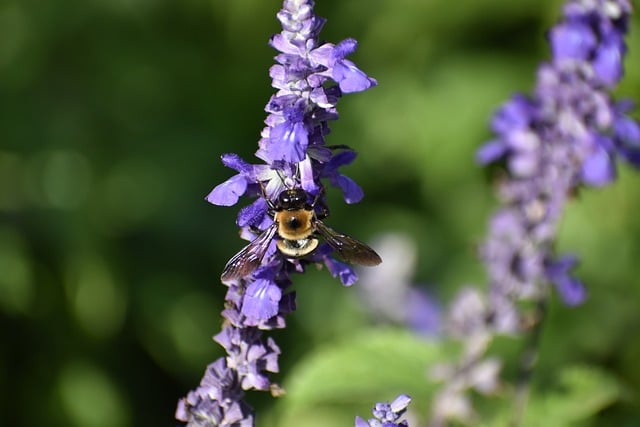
(341, 159)
(570, 289)
(233, 161)
(319, 97)
(261, 300)
(598, 169)
(343, 271)
(282, 44)
(345, 48)
(361, 422)
(516, 113)
(351, 191)
(490, 152)
(323, 55)
(350, 78)
(608, 61)
(270, 359)
(253, 214)
(288, 141)
(276, 105)
(627, 130)
(226, 337)
(228, 193)
(278, 75)
(572, 41)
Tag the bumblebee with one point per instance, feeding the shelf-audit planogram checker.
(296, 228)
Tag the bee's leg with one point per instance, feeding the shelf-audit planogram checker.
(322, 211)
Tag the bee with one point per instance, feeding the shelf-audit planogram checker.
(296, 228)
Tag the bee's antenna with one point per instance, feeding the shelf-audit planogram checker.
(283, 178)
(297, 173)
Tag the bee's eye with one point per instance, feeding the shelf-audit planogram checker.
(284, 199)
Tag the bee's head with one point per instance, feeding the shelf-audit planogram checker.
(292, 198)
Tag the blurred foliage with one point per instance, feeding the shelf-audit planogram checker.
(113, 115)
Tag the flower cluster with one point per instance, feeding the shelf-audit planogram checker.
(567, 134)
(387, 414)
(310, 77)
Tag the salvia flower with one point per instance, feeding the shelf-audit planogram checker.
(310, 77)
(387, 414)
(569, 133)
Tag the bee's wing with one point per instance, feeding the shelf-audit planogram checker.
(350, 249)
(249, 258)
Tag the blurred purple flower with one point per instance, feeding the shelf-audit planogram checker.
(569, 133)
(390, 293)
(570, 289)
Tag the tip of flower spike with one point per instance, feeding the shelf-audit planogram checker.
(387, 414)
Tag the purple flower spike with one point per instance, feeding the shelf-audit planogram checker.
(568, 133)
(310, 77)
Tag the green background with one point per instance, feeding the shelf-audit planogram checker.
(113, 116)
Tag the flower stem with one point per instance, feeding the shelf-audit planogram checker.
(528, 360)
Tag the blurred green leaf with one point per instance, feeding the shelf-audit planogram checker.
(16, 283)
(580, 392)
(91, 398)
(372, 366)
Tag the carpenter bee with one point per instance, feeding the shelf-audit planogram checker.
(296, 226)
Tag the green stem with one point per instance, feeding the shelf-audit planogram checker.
(528, 361)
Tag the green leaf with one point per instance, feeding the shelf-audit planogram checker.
(373, 366)
(579, 393)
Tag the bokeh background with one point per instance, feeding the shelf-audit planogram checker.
(113, 116)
